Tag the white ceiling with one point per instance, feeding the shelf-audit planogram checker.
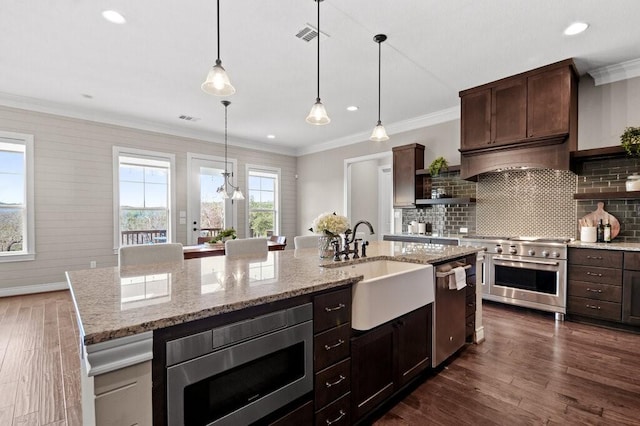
(148, 72)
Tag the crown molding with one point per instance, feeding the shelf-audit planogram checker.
(101, 117)
(616, 72)
(432, 119)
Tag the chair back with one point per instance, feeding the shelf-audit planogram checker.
(246, 246)
(305, 241)
(150, 253)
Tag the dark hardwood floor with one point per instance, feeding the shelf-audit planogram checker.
(530, 370)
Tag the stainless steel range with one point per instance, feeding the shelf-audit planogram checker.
(530, 272)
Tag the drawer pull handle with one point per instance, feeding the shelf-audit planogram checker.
(593, 307)
(594, 290)
(341, 379)
(594, 257)
(594, 274)
(337, 419)
(337, 308)
(329, 347)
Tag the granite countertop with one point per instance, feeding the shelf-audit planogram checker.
(606, 246)
(114, 302)
(448, 236)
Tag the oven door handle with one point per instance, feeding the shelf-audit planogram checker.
(535, 262)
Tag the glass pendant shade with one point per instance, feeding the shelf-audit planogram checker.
(217, 82)
(223, 193)
(318, 114)
(379, 134)
(237, 195)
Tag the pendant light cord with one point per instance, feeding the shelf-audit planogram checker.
(318, 97)
(226, 177)
(379, 86)
(218, 20)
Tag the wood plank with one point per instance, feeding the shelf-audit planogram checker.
(51, 393)
(29, 384)
(30, 419)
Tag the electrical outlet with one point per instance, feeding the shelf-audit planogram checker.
(92, 264)
(464, 230)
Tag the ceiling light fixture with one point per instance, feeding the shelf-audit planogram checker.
(217, 82)
(222, 189)
(113, 17)
(352, 108)
(379, 134)
(271, 136)
(576, 28)
(318, 114)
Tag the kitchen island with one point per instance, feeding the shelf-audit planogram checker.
(120, 309)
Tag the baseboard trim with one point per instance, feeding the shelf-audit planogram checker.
(31, 289)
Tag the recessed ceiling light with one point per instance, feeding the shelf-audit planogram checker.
(271, 136)
(576, 28)
(352, 108)
(113, 17)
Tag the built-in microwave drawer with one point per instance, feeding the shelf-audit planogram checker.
(594, 308)
(332, 382)
(594, 257)
(331, 309)
(331, 346)
(595, 275)
(597, 291)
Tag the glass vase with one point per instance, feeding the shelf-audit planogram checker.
(325, 248)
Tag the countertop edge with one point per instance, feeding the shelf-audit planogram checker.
(621, 246)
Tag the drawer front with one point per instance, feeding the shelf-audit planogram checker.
(632, 260)
(331, 346)
(302, 415)
(596, 291)
(593, 257)
(470, 326)
(332, 383)
(337, 413)
(594, 308)
(331, 310)
(595, 275)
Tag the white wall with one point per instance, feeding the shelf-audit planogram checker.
(364, 194)
(74, 190)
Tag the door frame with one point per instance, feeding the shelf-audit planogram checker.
(191, 156)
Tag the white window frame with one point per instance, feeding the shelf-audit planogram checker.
(28, 252)
(266, 169)
(119, 151)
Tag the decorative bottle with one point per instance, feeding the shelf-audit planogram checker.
(600, 232)
(607, 232)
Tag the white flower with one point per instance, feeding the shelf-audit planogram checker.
(329, 224)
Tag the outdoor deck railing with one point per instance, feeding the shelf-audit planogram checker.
(144, 237)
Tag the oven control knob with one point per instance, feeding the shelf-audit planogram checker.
(555, 254)
(545, 253)
(498, 249)
(531, 252)
(513, 250)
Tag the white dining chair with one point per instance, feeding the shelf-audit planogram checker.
(150, 253)
(305, 241)
(246, 246)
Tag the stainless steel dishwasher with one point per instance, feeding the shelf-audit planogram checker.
(448, 314)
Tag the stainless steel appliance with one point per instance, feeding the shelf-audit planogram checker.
(238, 373)
(530, 272)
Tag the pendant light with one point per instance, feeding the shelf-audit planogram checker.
(217, 82)
(379, 134)
(318, 114)
(237, 194)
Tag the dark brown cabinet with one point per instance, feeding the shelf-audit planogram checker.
(509, 111)
(388, 357)
(631, 289)
(475, 119)
(549, 102)
(407, 159)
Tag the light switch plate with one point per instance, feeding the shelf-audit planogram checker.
(464, 230)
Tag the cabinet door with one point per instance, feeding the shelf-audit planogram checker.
(631, 297)
(406, 160)
(413, 337)
(509, 111)
(549, 102)
(475, 120)
(371, 369)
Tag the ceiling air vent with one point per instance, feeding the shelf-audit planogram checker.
(309, 32)
(188, 118)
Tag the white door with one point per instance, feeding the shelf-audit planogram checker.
(206, 208)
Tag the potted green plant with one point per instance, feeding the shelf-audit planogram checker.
(630, 140)
(224, 235)
(437, 166)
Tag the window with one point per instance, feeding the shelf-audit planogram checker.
(16, 197)
(263, 201)
(143, 196)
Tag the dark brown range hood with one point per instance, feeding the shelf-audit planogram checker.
(529, 120)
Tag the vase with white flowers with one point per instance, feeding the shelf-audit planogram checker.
(329, 226)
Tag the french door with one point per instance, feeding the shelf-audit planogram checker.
(205, 206)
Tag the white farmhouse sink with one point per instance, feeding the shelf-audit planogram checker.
(389, 289)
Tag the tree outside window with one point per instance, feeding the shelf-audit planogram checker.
(263, 202)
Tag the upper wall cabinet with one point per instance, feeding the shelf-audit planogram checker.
(533, 110)
(406, 160)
